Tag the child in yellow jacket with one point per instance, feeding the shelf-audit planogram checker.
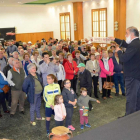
(50, 91)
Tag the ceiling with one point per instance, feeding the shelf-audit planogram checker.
(37, 2)
(43, 2)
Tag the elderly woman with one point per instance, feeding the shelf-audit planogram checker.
(107, 67)
(32, 86)
(3, 82)
(94, 68)
(93, 49)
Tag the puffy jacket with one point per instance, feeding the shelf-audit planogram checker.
(29, 87)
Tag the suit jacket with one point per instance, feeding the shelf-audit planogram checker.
(90, 67)
(131, 58)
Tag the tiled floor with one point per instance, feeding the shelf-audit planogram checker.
(19, 128)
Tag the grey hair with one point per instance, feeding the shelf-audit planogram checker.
(14, 52)
(9, 59)
(30, 66)
(15, 60)
(134, 30)
(83, 45)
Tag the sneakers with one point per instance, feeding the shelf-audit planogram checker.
(117, 94)
(87, 125)
(40, 119)
(82, 126)
(71, 127)
(33, 123)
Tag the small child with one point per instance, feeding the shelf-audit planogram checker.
(70, 100)
(82, 102)
(59, 110)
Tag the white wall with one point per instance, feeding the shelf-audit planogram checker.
(88, 6)
(133, 13)
(29, 19)
(35, 19)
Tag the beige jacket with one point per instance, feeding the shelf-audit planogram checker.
(90, 67)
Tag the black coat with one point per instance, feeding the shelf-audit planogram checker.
(131, 58)
(68, 96)
(85, 80)
(6, 69)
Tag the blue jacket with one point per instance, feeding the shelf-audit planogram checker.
(117, 67)
(2, 82)
(29, 87)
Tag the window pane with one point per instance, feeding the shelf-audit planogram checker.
(62, 18)
(62, 26)
(62, 35)
(68, 35)
(67, 18)
(67, 27)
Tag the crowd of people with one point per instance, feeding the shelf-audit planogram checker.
(57, 70)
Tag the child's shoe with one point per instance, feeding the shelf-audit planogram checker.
(71, 127)
(33, 123)
(87, 125)
(82, 126)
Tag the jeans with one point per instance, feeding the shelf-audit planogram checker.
(35, 107)
(118, 78)
(69, 111)
(2, 102)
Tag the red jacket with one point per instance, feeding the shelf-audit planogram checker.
(69, 69)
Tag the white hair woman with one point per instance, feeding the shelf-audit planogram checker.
(107, 66)
(93, 49)
(32, 86)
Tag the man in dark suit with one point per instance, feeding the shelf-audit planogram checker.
(131, 61)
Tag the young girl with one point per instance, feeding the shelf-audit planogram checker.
(83, 101)
(70, 100)
(50, 91)
(59, 110)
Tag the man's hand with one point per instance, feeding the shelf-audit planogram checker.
(111, 38)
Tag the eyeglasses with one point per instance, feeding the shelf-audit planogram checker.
(68, 83)
(84, 48)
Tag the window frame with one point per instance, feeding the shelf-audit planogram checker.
(100, 9)
(65, 14)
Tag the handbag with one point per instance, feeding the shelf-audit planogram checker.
(108, 85)
(5, 89)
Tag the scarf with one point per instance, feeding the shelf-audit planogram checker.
(105, 60)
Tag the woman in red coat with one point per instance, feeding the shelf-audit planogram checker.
(71, 70)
